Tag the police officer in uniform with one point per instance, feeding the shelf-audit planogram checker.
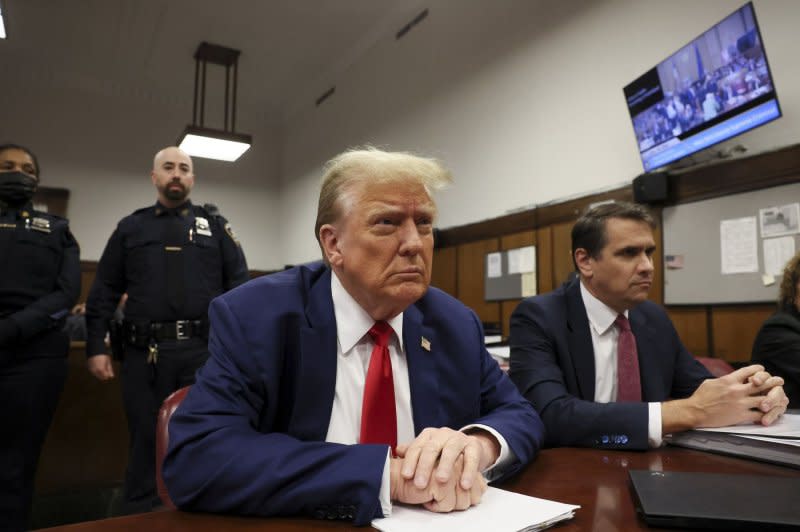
(39, 283)
(171, 259)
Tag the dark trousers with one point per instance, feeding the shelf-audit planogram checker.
(30, 385)
(144, 388)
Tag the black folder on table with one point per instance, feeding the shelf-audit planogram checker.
(734, 445)
(717, 501)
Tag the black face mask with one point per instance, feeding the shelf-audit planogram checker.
(16, 188)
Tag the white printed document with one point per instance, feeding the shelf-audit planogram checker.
(787, 426)
(499, 511)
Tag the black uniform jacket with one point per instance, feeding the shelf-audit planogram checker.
(40, 277)
(135, 261)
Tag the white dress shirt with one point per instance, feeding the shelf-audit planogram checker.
(604, 341)
(354, 348)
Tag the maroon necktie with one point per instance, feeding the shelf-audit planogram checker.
(378, 415)
(629, 386)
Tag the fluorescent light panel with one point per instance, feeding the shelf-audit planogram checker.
(212, 144)
(2, 25)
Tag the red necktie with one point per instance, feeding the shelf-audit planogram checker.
(378, 415)
(629, 386)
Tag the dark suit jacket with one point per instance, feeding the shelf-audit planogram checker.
(249, 437)
(552, 364)
(777, 348)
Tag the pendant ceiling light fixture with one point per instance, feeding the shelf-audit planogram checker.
(198, 140)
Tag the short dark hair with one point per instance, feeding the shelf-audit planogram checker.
(589, 232)
(787, 298)
(10, 146)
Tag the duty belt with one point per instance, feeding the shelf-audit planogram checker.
(140, 334)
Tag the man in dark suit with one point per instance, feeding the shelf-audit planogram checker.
(604, 367)
(319, 372)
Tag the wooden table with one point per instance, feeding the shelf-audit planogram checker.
(596, 480)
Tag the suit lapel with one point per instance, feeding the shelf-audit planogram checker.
(422, 371)
(316, 368)
(579, 340)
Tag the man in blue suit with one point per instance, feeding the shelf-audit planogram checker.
(285, 417)
(604, 367)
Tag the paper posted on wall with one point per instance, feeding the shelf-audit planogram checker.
(499, 511)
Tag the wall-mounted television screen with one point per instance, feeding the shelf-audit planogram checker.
(714, 88)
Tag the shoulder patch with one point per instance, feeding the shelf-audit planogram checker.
(229, 230)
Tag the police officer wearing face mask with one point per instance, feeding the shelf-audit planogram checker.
(171, 259)
(39, 283)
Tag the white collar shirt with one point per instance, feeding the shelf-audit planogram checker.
(353, 351)
(605, 338)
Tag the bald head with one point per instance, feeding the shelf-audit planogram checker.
(172, 153)
(172, 176)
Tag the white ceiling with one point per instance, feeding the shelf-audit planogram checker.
(292, 50)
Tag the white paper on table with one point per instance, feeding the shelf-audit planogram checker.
(782, 441)
(777, 252)
(738, 241)
(494, 265)
(499, 511)
(787, 426)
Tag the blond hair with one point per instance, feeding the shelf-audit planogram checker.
(369, 164)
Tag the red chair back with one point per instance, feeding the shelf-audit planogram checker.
(162, 439)
(716, 366)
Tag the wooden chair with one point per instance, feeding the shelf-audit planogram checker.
(162, 439)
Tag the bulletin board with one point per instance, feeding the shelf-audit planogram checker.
(703, 239)
(510, 274)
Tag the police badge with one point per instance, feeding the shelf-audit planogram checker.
(40, 224)
(201, 226)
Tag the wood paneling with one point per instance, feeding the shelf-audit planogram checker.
(471, 266)
(517, 240)
(445, 270)
(692, 326)
(734, 329)
(88, 271)
(544, 259)
(562, 253)
(567, 211)
(87, 444)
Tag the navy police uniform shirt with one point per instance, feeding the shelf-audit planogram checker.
(137, 260)
(40, 276)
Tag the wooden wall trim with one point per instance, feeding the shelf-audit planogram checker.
(742, 174)
(541, 216)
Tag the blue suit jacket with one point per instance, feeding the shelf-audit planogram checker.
(552, 364)
(249, 437)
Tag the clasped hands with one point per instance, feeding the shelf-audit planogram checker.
(749, 394)
(441, 469)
